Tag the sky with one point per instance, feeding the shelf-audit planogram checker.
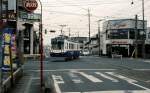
(74, 14)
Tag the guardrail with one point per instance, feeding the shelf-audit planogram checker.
(7, 83)
(34, 56)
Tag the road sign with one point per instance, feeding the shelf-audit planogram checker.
(30, 5)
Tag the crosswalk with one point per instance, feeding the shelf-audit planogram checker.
(85, 78)
(95, 77)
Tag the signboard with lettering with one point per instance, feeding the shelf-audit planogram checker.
(30, 5)
(35, 17)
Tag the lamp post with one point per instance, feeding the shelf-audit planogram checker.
(41, 47)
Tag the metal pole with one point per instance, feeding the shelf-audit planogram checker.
(11, 67)
(41, 48)
(143, 49)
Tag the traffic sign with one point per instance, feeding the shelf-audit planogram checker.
(30, 5)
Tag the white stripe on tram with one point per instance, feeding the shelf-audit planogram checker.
(107, 77)
(90, 77)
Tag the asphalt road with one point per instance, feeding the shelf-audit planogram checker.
(89, 74)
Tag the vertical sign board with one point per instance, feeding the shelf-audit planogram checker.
(6, 43)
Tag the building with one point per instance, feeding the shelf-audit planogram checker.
(28, 35)
(118, 36)
(81, 40)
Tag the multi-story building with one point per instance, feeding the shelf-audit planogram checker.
(118, 36)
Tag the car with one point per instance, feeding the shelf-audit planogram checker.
(85, 52)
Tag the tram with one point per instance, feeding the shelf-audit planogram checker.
(63, 46)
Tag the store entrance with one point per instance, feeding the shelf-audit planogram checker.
(121, 50)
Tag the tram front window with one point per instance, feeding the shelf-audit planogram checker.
(57, 45)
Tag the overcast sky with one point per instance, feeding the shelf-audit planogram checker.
(73, 13)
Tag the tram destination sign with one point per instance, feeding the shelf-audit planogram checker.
(30, 5)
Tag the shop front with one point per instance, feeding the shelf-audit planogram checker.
(121, 47)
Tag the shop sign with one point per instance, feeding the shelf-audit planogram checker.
(35, 17)
(30, 5)
(119, 42)
(11, 15)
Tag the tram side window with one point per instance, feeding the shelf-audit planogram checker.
(54, 45)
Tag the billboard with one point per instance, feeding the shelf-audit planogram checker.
(123, 24)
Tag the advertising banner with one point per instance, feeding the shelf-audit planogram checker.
(6, 46)
(123, 24)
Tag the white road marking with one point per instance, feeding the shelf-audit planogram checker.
(121, 77)
(107, 77)
(90, 77)
(114, 91)
(131, 81)
(59, 79)
(142, 69)
(75, 78)
(56, 84)
(28, 85)
(147, 61)
(74, 70)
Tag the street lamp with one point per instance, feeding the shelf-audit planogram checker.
(143, 15)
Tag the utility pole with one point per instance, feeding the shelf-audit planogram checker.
(143, 39)
(69, 32)
(136, 33)
(89, 19)
(143, 45)
(62, 26)
(99, 37)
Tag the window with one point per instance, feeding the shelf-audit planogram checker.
(118, 34)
